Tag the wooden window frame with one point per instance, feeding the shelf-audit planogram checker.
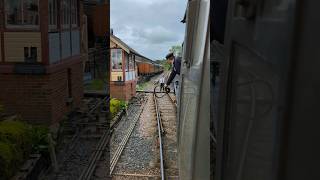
(21, 26)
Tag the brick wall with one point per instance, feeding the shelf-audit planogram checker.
(60, 92)
(41, 99)
(123, 91)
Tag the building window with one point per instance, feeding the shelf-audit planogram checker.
(53, 15)
(127, 62)
(74, 13)
(22, 12)
(116, 59)
(66, 13)
(131, 63)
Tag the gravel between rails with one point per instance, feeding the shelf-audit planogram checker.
(140, 158)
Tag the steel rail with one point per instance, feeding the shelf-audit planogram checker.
(87, 173)
(172, 100)
(160, 139)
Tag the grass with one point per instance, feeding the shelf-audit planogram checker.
(142, 86)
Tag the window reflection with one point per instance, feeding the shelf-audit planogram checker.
(116, 59)
(22, 12)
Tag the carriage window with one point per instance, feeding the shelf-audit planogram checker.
(22, 12)
(116, 59)
(53, 14)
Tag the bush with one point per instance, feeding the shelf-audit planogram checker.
(39, 136)
(15, 145)
(17, 141)
(123, 105)
(7, 160)
(18, 134)
(114, 106)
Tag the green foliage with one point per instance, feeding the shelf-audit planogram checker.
(39, 136)
(114, 106)
(15, 145)
(7, 160)
(177, 50)
(123, 105)
(17, 133)
(140, 87)
(17, 141)
(97, 84)
(165, 64)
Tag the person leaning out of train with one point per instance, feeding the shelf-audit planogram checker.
(175, 73)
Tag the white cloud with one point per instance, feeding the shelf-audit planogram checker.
(149, 26)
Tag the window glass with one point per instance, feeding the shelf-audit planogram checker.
(53, 13)
(116, 58)
(65, 8)
(131, 63)
(22, 12)
(13, 12)
(74, 13)
(127, 62)
(30, 12)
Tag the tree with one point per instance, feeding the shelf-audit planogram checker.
(177, 50)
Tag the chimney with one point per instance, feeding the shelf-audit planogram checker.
(111, 31)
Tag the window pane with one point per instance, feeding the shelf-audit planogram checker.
(127, 62)
(116, 58)
(30, 12)
(74, 11)
(65, 6)
(131, 63)
(13, 12)
(53, 12)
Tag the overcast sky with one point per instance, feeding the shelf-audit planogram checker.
(150, 27)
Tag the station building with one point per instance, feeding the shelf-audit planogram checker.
(124, 69)
(40, 58)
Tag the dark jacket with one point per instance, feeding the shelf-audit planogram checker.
(175, 69)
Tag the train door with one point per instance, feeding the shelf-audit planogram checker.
(258, 128)
(194, 104)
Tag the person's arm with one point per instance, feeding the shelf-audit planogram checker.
(171, 77)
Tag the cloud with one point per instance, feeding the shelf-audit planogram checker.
(149, 26)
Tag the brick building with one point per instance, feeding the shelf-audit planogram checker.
(123, 69)
(40, 58)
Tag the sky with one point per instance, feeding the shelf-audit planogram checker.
(150, 27)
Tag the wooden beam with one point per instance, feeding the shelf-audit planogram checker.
(44, 29)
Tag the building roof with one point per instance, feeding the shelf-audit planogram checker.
(129, 50)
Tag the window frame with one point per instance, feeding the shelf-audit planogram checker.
(21, 26)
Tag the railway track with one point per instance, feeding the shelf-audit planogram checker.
(82, 140)
(160, 133)
(167, 134)
(153, 156)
